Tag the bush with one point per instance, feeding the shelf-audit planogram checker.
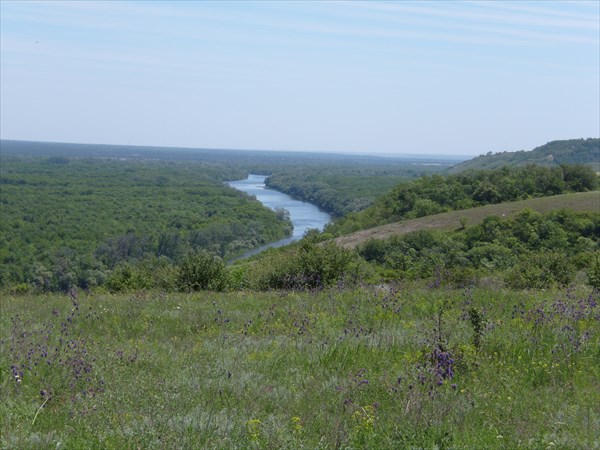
(374, 250)
(594, 273)
(306, 266)
(127, 277)
(541, 270)
(201, 270)
(154, 273)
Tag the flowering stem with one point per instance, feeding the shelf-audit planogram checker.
(38, 411)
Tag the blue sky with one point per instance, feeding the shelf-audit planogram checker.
(436, 77)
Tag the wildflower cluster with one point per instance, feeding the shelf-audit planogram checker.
(437, 368)
(297, 426)
(365, 418)
(54, 360)
(253, 429)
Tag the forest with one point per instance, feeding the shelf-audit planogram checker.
(69, 222)
(153, 220)
(149, 206)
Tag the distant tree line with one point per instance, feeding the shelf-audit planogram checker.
(571, 151)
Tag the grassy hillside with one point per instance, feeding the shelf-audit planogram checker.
(386, 368)
(572, 151)
(436, 194)
(582, 201)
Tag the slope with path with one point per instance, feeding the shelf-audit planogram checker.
(582, 201)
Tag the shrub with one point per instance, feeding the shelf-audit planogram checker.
(201, 270)
(594, 273)
(374, 250)
(541, 270)
(306, 266)
(127, 277)
(492, 256)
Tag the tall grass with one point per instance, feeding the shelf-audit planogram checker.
(377, 367)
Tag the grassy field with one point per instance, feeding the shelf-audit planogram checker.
(375, 367)
(582, 201)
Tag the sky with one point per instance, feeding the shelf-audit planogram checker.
(440, 77)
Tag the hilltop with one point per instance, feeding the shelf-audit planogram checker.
(571, 151)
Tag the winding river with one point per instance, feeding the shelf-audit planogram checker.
(303, 215)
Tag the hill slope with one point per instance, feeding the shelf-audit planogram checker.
(572, 151)
(436, 194)
(582, 201)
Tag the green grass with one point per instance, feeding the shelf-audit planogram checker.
(334, 369)
(581, 201)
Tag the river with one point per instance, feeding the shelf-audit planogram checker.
(304, 216)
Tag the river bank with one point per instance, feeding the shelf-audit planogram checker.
(303, 215)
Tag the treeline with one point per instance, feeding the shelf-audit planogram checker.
(303, 265)
(343, 190)
(436, 193)
(71, 222)
(571, 151)
(531, 250)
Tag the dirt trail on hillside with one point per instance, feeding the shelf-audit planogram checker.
(583, 201)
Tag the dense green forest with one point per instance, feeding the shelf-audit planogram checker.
(344, 191)
(71, 221)
(531, 250)
(336, 183)
(572, 151)
(437, 193)
(75, 213)
(344, 188)
(338, 192)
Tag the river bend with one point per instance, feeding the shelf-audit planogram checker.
(304, 215)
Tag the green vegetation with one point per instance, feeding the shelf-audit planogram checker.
(481, 333)
(397, 366)
(531, 250)
(343, 189)
(300, 266)
(103, 215)
(460, 219)
(72, 221)
(435, 194)
(572, 151)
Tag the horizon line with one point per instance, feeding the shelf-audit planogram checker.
(382, 154)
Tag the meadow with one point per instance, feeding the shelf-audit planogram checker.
(401, 365)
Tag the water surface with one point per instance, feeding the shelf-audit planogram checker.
(304, 215)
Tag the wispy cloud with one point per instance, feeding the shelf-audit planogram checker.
(493, 12)
(236, 54)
